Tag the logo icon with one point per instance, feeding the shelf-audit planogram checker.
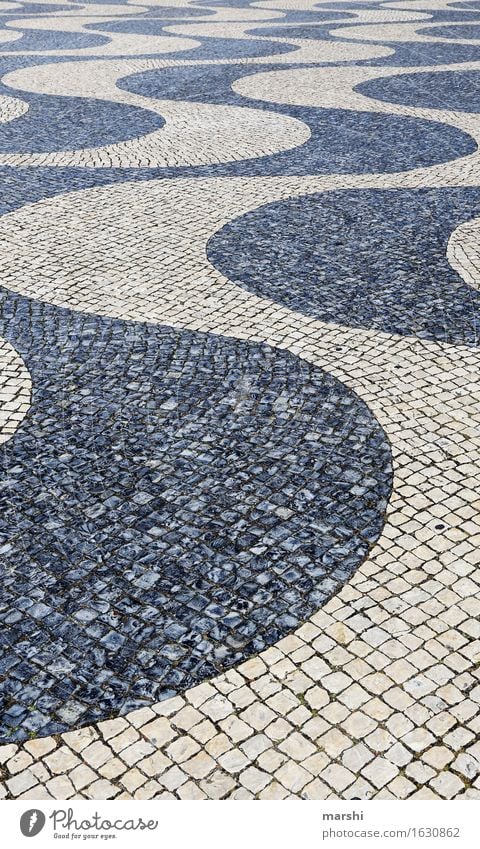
(32, 822)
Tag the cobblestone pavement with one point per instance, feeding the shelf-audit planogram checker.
(240, 400)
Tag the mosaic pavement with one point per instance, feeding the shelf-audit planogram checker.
(239, 399)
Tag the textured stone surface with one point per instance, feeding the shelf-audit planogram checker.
(239, 388)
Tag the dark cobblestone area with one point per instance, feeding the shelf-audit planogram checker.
(173, 503)
(364, 260)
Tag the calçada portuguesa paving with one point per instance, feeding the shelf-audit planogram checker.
(239, 399)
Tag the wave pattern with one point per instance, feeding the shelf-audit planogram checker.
(239, 364)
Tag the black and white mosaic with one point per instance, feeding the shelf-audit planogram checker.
(180, 495)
